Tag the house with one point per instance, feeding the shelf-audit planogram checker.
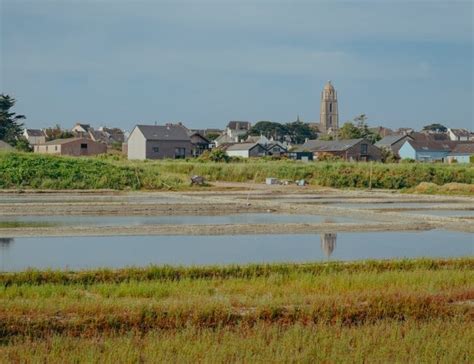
(224, 139)
(275, 149)
(5, 147)
(199, 143)
(246, 150)
(300, 155)
(113, 135)
(393, 142)
(349, 149)
(459, 134)
(158, 142)
(236, 129)
(425, 150)
(34, 136)
(71, 146)
(461, 153)
(81, 128)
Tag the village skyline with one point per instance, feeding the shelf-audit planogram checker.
(206, 64)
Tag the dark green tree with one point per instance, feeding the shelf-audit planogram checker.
(436, 127)
(11, 126)
(299, 132)
(269, 129)
(358, 128)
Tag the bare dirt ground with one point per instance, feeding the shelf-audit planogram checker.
(371, 210)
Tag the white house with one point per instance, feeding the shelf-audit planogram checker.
(459, 134)
(34, 136)
(246, 150)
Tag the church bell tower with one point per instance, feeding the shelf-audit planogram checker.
(329, 118)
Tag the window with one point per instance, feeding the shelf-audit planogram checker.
(330, 107)
(84, 146)
(179, 153)
(363, 148)
(156, 150)
(55, 147)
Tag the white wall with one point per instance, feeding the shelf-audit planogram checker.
(238, 153)
(136, 145)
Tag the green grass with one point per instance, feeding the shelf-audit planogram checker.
(374, 311)
(25, 224)
(19, 170)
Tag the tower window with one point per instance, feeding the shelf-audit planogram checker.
(330, 107)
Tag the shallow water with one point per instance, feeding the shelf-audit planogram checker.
(450, 213)
(93, 252)
(251, 218)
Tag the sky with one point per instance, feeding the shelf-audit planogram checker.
(204, 63)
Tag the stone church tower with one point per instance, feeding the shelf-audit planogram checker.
(329, 118)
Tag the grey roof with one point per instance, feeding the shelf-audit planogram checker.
(35, 132)
(5, 145)
(164, 132)
(239, 125)
(389, 140)
(275, 144)
(329, 145)
(242, 146)
(431, 145)
(463, 149)
(65, 141)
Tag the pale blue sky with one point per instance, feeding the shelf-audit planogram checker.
(402, 63)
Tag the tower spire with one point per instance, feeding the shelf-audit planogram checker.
(329, 115)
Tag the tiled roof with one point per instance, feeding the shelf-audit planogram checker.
(389, 140)
(460, 132)
(463, 148)
(34, 132)
(164, 132)
(329, 145)
(242, 146)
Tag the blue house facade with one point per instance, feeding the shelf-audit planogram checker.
(424, 151)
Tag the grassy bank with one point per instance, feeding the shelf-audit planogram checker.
(39, 171)
(411, 310)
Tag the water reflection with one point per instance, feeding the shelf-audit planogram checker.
(4, 246)
(5, 242)
(328, 243)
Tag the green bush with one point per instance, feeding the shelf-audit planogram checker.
(22, 170)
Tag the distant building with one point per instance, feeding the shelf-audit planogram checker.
(459, 134)
(425, 150)
(199, 143)
(158, 142)
(237, 129)
(71, 146)
(329, 114)
(34, 136)
(81, 128)
(461, 153)
(349, 149)
(393, 142)
(246, 150)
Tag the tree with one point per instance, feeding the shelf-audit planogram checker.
(57, 133)
(349, 131)
(11, 126)
(23, 145)
(358, 128)
(299, 132)
(436, 127)
(268, 129)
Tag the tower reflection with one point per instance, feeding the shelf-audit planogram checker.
(328, 243)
